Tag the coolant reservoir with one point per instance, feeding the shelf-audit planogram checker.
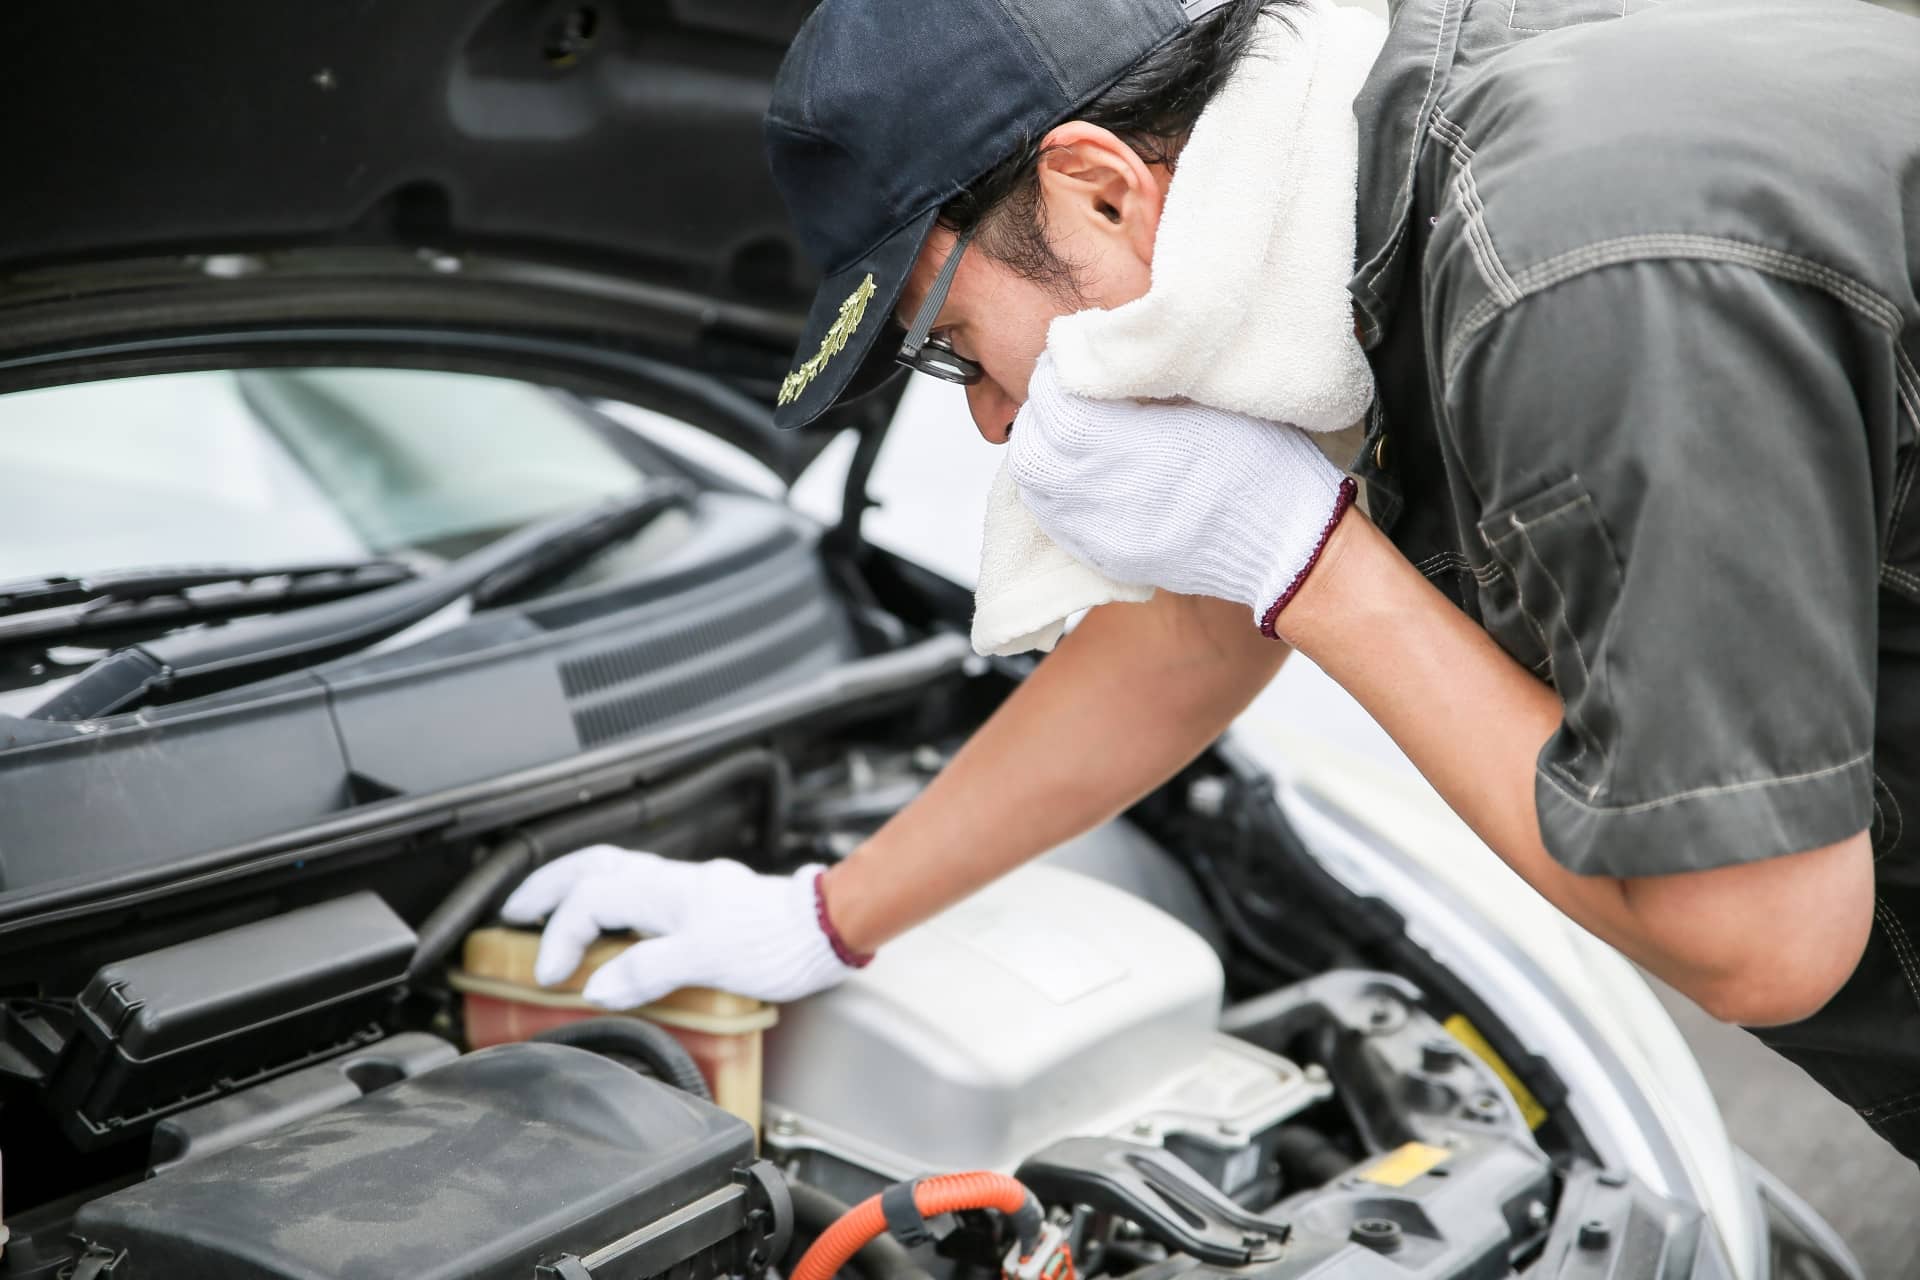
(502, 1003)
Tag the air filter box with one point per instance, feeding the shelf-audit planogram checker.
(160, 1032)
(518, 1161)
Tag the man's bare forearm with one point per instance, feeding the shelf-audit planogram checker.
(1126, 700)
(1754, 941)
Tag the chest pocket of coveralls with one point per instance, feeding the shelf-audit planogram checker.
(1549, 595)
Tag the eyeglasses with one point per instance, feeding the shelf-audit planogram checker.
(935, 356)
(938, 359)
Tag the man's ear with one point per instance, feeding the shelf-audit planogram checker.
(1095, 185)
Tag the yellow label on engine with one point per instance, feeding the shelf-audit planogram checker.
(1469, 1035)
(1399, 1167)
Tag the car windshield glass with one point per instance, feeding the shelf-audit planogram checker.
(285, 466)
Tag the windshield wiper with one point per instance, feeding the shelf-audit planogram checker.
(63, 608)
(200, 661)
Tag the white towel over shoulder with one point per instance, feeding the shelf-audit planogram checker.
(1247, 310)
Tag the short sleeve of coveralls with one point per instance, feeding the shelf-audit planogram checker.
(1677, 499)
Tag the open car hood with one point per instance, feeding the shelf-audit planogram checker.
(585, 171)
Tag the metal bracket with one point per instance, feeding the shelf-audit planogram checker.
(1154, 1188)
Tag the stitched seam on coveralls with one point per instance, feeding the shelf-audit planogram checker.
(1447, 16)
(1479, 235)
(1897, 1113)
(1484, 576)
(1907, 385)
(1512, 5)
(1902, 489)
(1907, 382)
(1902, 946)
(1520, 529)
(1544, 667)
(1898, 824)
(1891, 1116)
(1900, 578)
(1718, 789)
(1587, 734)
(1444, 561)
(1890, 1108)
(1901, 1101)
(1903, 480)
(1676, 245)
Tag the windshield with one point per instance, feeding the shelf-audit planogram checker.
(282, 466)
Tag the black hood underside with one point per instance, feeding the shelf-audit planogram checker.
(620, 135)
(588, 170)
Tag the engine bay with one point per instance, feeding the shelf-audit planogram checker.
(1082, 1052)
(1189, 1044)
(330, 1090)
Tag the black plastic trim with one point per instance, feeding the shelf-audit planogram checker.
(524, 793)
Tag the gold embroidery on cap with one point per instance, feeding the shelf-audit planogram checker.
(852, 311)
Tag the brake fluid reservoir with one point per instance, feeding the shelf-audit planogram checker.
(502, 1003)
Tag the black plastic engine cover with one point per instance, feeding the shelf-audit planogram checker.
(487, 1167)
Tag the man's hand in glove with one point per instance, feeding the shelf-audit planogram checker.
(1177, 496)
(716, 924)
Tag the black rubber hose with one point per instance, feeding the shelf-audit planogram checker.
(768, 766)
(1308, 1158)
(881, 1258)
(479, 893)
(1221, 897)
(482, 890)
(634, 1038)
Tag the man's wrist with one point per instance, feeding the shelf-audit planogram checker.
(1270, 622)
(1316, 609)
(831, 903)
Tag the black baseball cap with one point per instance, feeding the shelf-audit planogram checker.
(884, 110)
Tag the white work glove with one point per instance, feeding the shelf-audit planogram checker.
(717, 924)
(1178, 496)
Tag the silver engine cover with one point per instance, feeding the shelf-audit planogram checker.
(1047, 1005)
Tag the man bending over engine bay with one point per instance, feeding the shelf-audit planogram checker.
(1629, 304)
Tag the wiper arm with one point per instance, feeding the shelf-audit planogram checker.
(200, 661)
(61, 608)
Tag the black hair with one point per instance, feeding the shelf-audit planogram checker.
(1153, 107)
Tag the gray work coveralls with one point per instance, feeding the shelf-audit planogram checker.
(1641, 287)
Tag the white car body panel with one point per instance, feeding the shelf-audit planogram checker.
(1592, 977)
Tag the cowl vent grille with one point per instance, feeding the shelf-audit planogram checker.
(758, 639)
(609, 668)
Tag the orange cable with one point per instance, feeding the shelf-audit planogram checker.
(942, 1193)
